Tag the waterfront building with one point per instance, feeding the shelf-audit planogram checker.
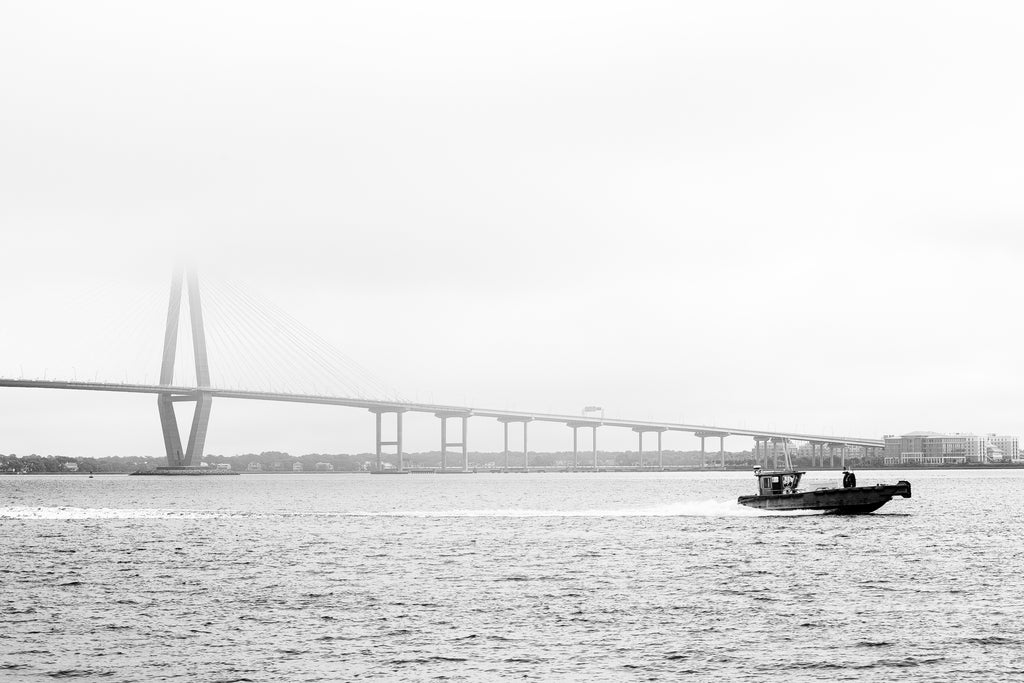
(933, 448)
(1007, 447)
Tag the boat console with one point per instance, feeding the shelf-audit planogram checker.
(777, 483)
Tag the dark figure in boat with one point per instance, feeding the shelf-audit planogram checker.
(849, 479)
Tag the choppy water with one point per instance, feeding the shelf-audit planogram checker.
(603, 577)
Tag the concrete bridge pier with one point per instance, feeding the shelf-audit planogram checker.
(818, 454)
(761, 451)
(575, 446)
(526, 450)
(445, 443)
(640, 431)
(721, 446)
(575, 426)
(832, 448)
(397, 443)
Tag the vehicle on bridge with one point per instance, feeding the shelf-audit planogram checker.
(779, 490)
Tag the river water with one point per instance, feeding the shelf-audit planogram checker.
(602, 577)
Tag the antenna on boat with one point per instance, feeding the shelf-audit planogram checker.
(785, 454)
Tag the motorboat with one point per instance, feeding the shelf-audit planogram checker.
(780, 490)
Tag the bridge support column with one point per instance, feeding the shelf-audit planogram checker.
(526, 449)
(640, 431)
(721, 447)
(760, 452)
(575, 426)
(397, 443)
(505, 426)
(445, 443)
(380, 465)
(193, 452)
(575, 447)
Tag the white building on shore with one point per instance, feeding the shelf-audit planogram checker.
(933, 448)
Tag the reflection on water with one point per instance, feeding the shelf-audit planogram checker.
(475, 577)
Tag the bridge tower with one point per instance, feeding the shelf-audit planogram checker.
(193, 451)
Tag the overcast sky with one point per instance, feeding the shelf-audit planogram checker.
(791, 215)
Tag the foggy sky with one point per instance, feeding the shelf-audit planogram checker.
(773, 215)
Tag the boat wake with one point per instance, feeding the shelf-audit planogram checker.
(706, 508)
(63, 513)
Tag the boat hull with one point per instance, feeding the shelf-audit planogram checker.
(858, 500)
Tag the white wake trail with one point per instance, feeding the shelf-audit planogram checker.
(705, 508)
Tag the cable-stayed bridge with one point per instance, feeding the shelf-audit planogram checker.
(767, 444)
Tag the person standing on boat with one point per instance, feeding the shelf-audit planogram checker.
(849, 478)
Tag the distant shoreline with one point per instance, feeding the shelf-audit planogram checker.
(580, 470)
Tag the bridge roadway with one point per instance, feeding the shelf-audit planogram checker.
(393, 406)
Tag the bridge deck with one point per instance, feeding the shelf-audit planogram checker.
(388, 406)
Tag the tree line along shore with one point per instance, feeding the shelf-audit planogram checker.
(279, 461)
